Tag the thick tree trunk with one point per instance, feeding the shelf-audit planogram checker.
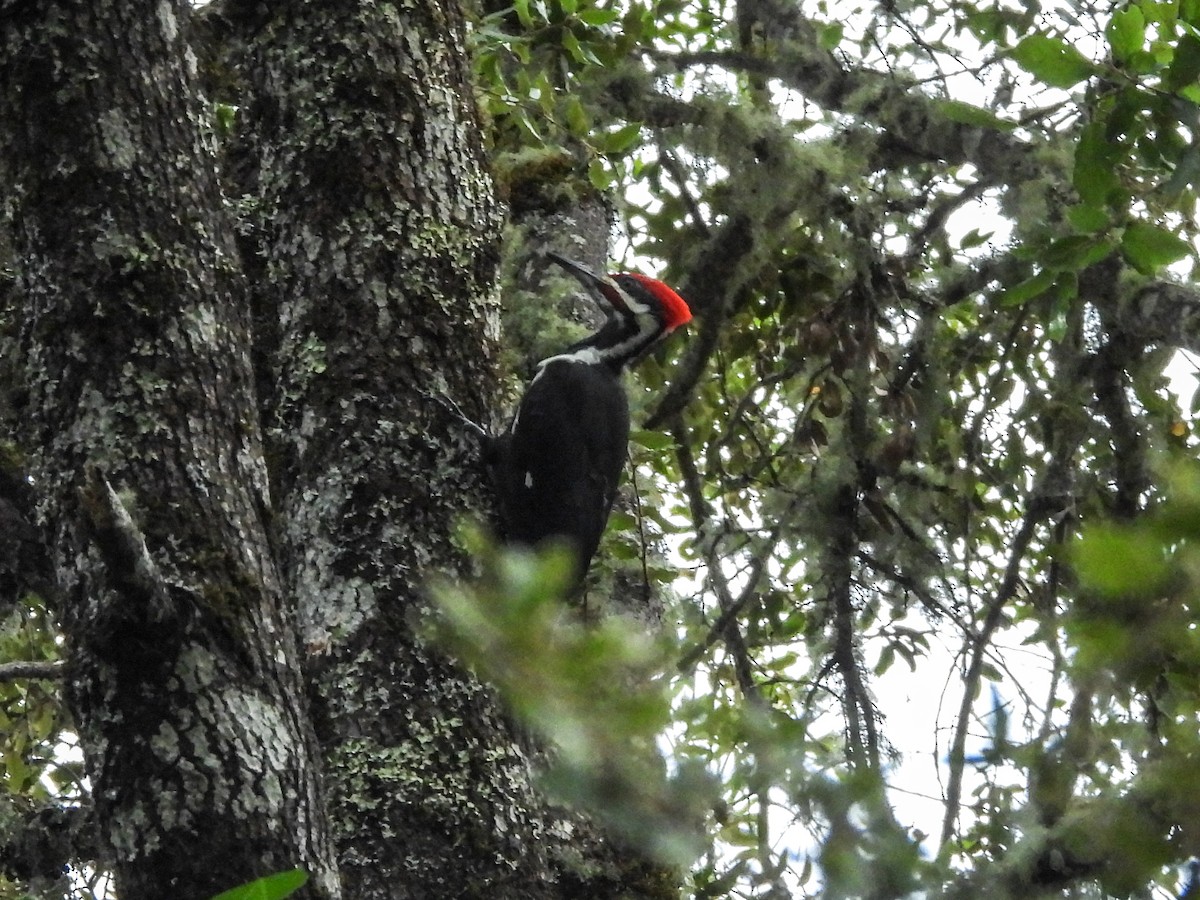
(142, 430)
(245, 476)
(380, 235)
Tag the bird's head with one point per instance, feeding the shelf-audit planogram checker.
(637, 299)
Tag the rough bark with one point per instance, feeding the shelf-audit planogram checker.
(226, 363)
(380, 236)
(141, 427)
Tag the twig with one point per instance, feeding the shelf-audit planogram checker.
(455, 411)
(860, 712)
(995, 609)
(727, 627)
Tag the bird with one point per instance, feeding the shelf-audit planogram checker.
(557, 465)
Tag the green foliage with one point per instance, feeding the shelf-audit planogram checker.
(1134, 636)
(1148, 247)
(918, 436)
(595, 692)
(224, 117)
(270, 887)
(1127, 33)
(541, 66)
(1053, 61)
(32, 718)
(1136, 156)
(957, 111)
(914, 386)
(1143, 580)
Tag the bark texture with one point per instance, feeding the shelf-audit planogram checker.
(379, 232)
(227, 364)
(141, 424)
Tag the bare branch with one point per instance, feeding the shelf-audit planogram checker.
(31, 669)
(980, 645)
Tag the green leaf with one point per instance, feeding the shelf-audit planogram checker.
(1053, 61)
(579, 52)
(1142, 62)
(1150, 247)
(225, 115)
(1072, 253)
(1029, 288)
(1088, 219)
(1077, 252)
(621, 140)
(1185, 67)
(597, 17)
(577, 118)
(886, 658)
(272, 887)
(1127, 32)
(599, 175)
(975, 238)
(1120, 561)
(652, 440)
(1095, 176)
(831, 35)
(525, 123)
(967, 114)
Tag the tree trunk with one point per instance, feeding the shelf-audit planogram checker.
(230, 368)
(141, 426)
(379, 230)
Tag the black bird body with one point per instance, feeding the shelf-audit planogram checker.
(558, 464)
(561, 460)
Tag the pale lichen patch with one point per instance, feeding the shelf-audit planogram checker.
(117, 140)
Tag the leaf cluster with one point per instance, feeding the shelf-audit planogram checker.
(911, 238)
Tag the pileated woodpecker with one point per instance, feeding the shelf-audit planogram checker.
(558, 464)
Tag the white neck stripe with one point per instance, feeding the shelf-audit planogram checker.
(588, 355)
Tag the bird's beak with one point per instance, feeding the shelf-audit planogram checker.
(602, 284)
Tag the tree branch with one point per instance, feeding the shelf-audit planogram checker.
(910, 117)
(31, 669)
(712, 286)
(123, 548)
(726, 625)
(1162, 312)
(1045, 499)
(980, 644)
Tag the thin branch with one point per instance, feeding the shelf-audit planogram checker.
(726, 626)
(937, 218)
(856, 702)
(712, 288)
(910, 118)
(981, 642)
(31, 669)
(743, 666)
(683, 181)
(735, 607)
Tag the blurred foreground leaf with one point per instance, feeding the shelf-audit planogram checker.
(595, 691)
